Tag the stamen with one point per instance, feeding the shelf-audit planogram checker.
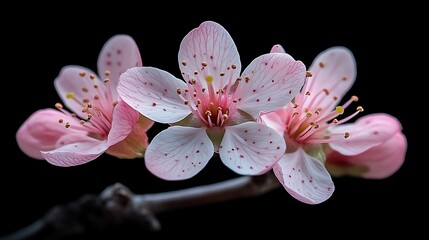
(59, 105)
(91, 76)
(67, 124)
(82, 74)
(184, 63)
(107, 73)
(346, 134)
(308, 74)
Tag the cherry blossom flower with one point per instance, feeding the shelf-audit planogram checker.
(98, 122)
(215, 109)
(318, 141)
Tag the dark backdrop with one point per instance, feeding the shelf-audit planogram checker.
(40, 48)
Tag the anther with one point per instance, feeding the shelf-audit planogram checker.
(360, 109)
(59, 105)
(326, 91)
(204, 64)
(184, 63)
(308, 74)
(106, 80)
(233, 66)
(346, 134)
(67, 124)
(321, 64)
(179, 91)
(60, 120)
(91, 76)
(247, 78)
(82, 74)
(107, 73)
(355, 98)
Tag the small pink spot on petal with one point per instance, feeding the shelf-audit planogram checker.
(197, 151)
(119, 51)
(153, 104)
(290, 176)
(375, 132)
(119, 64)
(241, 156)
(109, 63)
(109, 54)
(251, 167)
(239, 167)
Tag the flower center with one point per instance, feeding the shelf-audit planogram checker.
(310, 124)
(210, 103)
(97, 107)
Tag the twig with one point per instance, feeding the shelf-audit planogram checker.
(118, 206)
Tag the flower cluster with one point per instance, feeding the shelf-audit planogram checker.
(274, 115)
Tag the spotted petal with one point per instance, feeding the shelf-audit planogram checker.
(269, 83)
(74, 84)
(333, 70)
(251, 148)
(154, 93)
(209, 44)
(119, 53)
(179, 153)
(368, 131)
(304, 177)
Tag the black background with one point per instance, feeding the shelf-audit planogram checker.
(39, 47)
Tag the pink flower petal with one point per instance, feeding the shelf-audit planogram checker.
(304, 177)
(378, 162)
(42, 131)
(251, 148)
(334, 70)
(77, 153)
(124, 119)
(276, 120)
(368, 131)
(119, 53)
(277, 49)
(153, 93)
(210, 43)
(269, 83)
(74, 84)
(179, 153)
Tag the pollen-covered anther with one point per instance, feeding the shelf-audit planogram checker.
(85, 109)
(84, 89)
(186, 102)
(73, 115)
(308, 114)
(89, 105)
(195, 72)
(89, 116)
(233, 66)
(82, 74)
(339, 109)
(96, 97)
(294, 114)
(106, 80)
(179, 91)
(225, 116)
(204, 64)
(107, 73)
(238, 79)
(247, 78)
(346, 134)
(58, 105)
(355, 98)
(335, 121)
(308, 74)
(70, 95)
(184, 63)
(67, 124)
(222, 74)
(308, 93)
(321, 64)
(234, 101)
(295, 105)
(82, 122)
(208, 113)
(85, 100)
(95, 86)
(360, 109)
(60, 120)
(91, 76)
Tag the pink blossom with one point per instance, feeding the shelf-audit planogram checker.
(320, 143)
(98, 122)
(215, 109)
